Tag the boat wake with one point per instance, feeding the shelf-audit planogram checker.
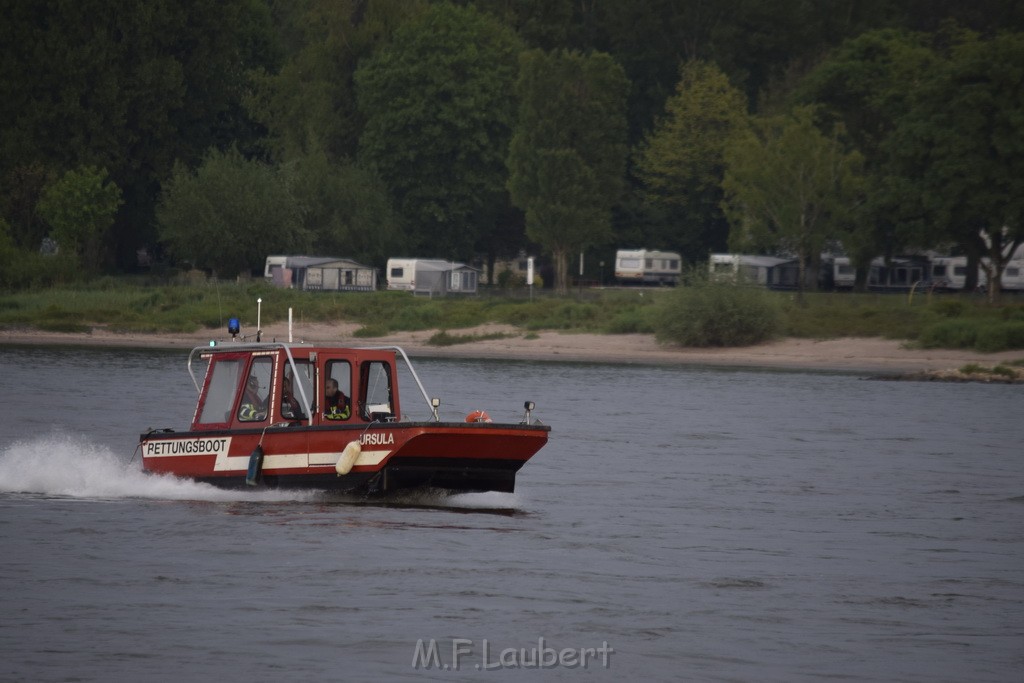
(488, 502)
(68, 466)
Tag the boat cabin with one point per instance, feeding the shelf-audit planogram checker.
(251, 386)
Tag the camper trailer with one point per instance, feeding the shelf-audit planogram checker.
(642, 266)
(1013, 276)
(431, 276)
(950, 272)
(320, 273)
(761, 270)
(900, 274)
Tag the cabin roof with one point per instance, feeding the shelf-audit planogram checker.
(314, 261)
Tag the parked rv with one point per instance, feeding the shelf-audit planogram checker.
(1013, 276)
(769, 271)
(431, 276)
(642, 266)
(320, 273)
(899, 274)
(950, 272)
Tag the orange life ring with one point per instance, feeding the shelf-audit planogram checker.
(478, 416)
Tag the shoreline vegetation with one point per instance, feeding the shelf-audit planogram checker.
(892, 336)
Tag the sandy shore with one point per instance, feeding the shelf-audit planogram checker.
(855, 355)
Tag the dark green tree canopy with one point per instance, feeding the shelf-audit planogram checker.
(230, 214)
(681, 163)
(568, 157)
(439, 109)
(130, 86)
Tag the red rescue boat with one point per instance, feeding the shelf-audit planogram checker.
(318, 417)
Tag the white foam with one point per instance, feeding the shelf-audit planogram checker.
(72, 466)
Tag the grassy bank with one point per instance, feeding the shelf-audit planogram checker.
(950, 321)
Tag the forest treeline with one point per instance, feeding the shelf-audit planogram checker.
(166, 134)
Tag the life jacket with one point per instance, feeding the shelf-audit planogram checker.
(251, 413)
(337, 408)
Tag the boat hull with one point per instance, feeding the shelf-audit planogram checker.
(393, 456)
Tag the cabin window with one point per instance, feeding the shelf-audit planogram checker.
(939, 271)
(673, 264)
(220, 391)
(629, 263)
(1012, 272)
(960, 271)
(375, 399)
(256, 391)
(294, 388)
(397, 272)
(338, 406)
(842, 269)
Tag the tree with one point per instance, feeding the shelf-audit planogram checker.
(439, 109)
(80, 208)
(866, 86)
(681, 163)
(126, 85)
(346, 209)
(787, 187)
(955, 162)
(568, 156)
(230, 214)
(309, 106)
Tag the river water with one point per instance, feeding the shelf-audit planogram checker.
(682, 524)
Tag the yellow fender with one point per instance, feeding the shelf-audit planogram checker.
(348, 458)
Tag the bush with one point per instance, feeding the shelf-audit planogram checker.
(718, 314)
(949, 308)
(949, 334)
(982, 335)
(630, 322)
(1000, 337)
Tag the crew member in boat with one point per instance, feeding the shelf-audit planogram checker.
(290, 408)
(336, 403)
(253, 408)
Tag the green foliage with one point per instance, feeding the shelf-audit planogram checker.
(1000, 337)
(439, 108)
(954, 165)
(127, 86)
(718, 314)
(681, 163)
(986, 335)
(950, 334)
(80, 208)
(309, 106)
(1004, 371)
(631, 321)
(949, 308)
(346, 210)
(230, 214)
(568, 155)
(787, 186)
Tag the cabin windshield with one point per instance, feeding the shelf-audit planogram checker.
(292, 392)
(253, 406)
(376, 391)
(220, 391)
